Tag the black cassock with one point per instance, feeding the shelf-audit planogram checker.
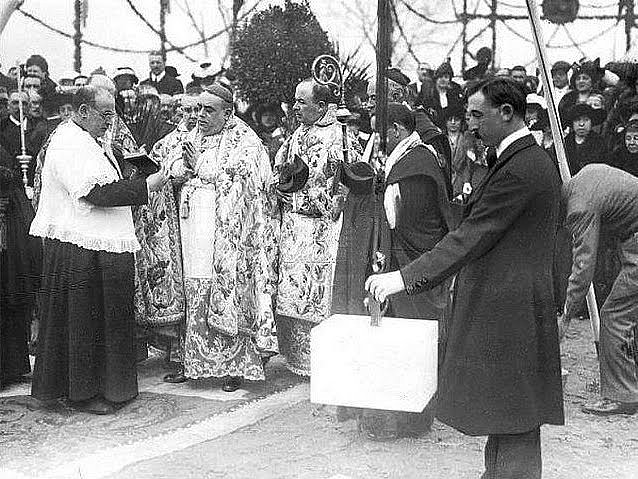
(20, 260)
(86, 342)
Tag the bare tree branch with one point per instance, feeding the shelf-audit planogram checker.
(186, 9)
(230, 29)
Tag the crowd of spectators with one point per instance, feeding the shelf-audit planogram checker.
(598, 110)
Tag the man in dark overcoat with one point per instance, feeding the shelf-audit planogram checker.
(500, 374)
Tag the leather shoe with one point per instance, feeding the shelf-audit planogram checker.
(175, 378)
(97, 406)
(607, 407)
(232, 384)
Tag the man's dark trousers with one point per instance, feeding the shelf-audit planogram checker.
(513, 456)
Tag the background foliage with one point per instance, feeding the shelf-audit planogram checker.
(274, 51)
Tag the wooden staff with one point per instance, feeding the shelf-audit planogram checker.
(557, 133)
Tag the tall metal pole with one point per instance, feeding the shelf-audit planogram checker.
(559, 142)
(493, 18)
(464, 37)
(383, 60)
(77, 37)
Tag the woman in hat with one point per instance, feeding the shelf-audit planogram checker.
(585, 80)
(625, 156)
(583, 145)
(446, 93)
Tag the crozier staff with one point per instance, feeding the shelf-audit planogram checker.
(500, 374)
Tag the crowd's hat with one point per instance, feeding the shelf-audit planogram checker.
(591, 68)
(206, 69)
(538, 103)
(293, 176)
(561, 66)
(453, 111)
(631, 126)
(126, 71)
(148, 90)
(398, 76)
(597, 115)
(68, 78)
(171, 71)
(444, 69)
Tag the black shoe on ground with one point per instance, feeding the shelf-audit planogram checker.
(98, 406)
(232, 384)
(176, 377)
(607, 407)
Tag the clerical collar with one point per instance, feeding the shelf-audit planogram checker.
(509, 139)
(158, 78)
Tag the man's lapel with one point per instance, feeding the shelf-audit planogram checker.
(510, 151)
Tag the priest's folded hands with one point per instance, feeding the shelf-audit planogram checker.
(380, 286)
(156, 181)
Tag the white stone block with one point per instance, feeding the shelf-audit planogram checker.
(393, 366)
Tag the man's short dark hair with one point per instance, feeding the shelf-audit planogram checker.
(39, 61)
(320, 92)
(501, 90)
(401, 114)
(519, 68)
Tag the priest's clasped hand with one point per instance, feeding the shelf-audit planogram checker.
(189, 154)
(156, 181)
(380, 286)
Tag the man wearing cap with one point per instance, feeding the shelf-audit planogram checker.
(228, 235)
(159, 79)
(311, 222)
(353, 260)
(560, 79)
(418, 216)
(80, 80)
(604, 199)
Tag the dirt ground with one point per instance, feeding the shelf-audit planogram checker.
(306, 442)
